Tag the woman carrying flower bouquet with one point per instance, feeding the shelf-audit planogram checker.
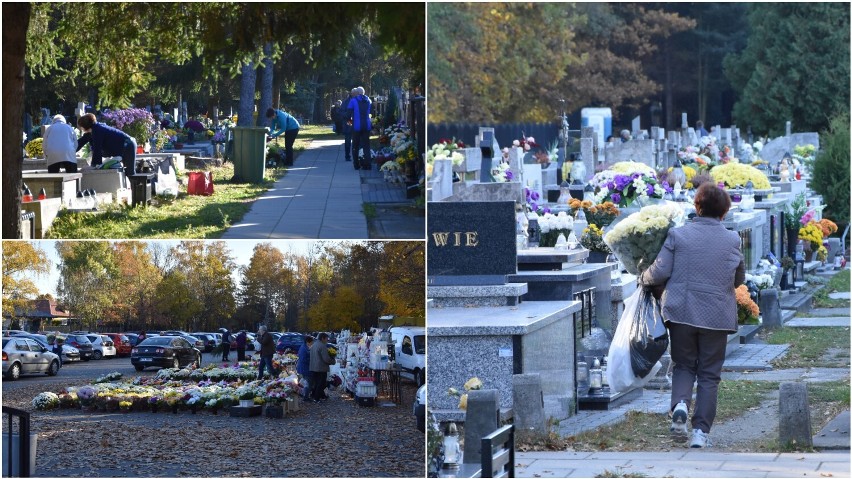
(700, 266)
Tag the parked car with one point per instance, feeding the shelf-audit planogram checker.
(216, 337)
(195, 342)
(165, 352)
(251, 342)
(22, 355)
(102, 346)
(290, 342)
(133, 338)
(420, 408)
(82, 343)
(208, 340)
(69, 353)
(410, 351)
(121, 343)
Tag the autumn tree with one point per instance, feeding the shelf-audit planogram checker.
(178, 304)
(206, 269)
(22, 260)
(336, 310)
(403, 278)
(137, 281)
(87, 280)
(264, 285)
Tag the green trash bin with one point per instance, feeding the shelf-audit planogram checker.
(249, 154)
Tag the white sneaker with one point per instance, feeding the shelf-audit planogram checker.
(679, 418)
(700, 439)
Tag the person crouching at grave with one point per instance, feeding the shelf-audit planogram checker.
(284, 123)
(60, 146)
(359, 110)
(700, 266)
(107, 141)
(303, 366)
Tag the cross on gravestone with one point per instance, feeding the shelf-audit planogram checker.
(788, 129)
(635, 126)
(486, 145)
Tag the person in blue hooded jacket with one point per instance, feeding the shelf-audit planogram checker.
(359, 110)
(284, 123)
(107, 141)
(303, 365)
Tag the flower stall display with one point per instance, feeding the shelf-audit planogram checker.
(46, 401)
(638, 239)
(136, 122)
(747, 310)
(734, 175)
(35, 148)
(551, 226)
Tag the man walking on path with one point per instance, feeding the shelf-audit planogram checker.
(344, 122)
(359, 109)
(241, 346)
(267, 350)
(320, 361)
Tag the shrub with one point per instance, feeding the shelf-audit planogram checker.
(830, 176)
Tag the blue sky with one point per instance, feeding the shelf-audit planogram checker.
(241, 251)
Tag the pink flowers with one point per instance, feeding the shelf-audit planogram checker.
(807, 217)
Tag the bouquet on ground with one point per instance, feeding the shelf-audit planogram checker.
(638, 239)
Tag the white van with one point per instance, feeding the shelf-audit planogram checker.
(410, 350)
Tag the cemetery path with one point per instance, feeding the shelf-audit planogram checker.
(319, 198)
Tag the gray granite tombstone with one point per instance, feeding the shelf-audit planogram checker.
(486, 145)
(794, 415)
(770, 308)
(481, 419)
(636, 126)
(471, 243)
(683, 122)
(788, 129)
(441, 181)
(530, 422)
(587, 151)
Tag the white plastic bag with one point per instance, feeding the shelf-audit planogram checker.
(619, 368)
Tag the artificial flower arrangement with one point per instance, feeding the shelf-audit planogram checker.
(526, 142)
(747, 310)
(446, 148)
(638, 239)
(35, 148)
(592, 239)
(533, 197)
(737, 174)
(551, 226)
(136, 122)
(161, 139)
(502, 173)
(472, 384)
(795, 211)
(625, 190)
(621, 168)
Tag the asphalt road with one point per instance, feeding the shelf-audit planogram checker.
(87, 370)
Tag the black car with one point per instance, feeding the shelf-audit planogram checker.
(209, 341)
(164, 352)
(82, 343)
(290, 342)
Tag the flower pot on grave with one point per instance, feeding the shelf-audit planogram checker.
(275, 411)
(246, 402)
(809, 255)
(597, 257)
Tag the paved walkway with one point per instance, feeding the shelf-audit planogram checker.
(319, 197)
(690, 463)
(819, 322)
(752, 357)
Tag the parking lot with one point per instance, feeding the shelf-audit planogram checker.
(334, 438)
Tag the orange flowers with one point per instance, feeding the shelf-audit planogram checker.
(827, 226)
(747, 309)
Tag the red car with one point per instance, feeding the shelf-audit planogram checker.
(122, 344)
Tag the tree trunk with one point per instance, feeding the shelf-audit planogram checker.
(14, 49)
(247, 87)
(668, 87)
(265, 87)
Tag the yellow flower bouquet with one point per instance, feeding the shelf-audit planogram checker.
(811, 233)
(738, 174)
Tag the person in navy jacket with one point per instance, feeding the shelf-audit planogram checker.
(359, 110)
(303, 366)
(284, 123)
(107, 141)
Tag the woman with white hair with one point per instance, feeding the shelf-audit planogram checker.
(60, 146)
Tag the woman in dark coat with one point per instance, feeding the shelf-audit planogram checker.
(700, 265)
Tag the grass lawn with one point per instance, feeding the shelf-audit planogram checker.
(190, 217)
(811, 347)
(838, 283)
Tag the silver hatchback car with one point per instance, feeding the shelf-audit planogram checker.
(27, 356)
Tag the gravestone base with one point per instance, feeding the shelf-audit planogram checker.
(606, 400)
(478, 296)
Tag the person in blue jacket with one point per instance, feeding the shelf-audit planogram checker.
(359, 110)
(284, 123)
(107, 141)
(303, 366)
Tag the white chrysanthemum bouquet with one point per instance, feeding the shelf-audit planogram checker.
(638, 239)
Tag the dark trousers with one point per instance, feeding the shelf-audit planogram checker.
(318, 384)
(241, 353)
(70, 167)
(697, 354)
(347, 142)
(289, 139)
(226, 350)
(361, 140)
(309, 378)
(128, 157)
(266, 361)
